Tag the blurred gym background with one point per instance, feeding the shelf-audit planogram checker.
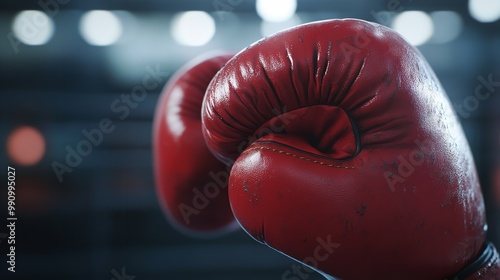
(64, 64)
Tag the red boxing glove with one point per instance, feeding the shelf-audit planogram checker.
(191, 183)
(347, 155)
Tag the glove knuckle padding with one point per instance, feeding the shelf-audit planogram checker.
(183, 163)
(340, 129)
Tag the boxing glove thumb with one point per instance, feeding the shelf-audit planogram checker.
(347, 154)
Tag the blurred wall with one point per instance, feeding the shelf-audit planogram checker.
(62, 69)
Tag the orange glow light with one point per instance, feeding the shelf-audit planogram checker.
(25, 145)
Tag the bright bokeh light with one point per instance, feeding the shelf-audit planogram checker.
(268, 28)
(485, 10)
(415, 26)
(276, 10)
(193, 28)
(447, 26)
(25, 145)
(100, 28)
(33, 27)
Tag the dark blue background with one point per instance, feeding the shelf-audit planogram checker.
(105, 216)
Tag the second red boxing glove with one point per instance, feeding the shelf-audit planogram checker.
(191, 183)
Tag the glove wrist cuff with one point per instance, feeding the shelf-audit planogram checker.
(485, 266)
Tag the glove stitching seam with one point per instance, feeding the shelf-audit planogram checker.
(302, 157)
